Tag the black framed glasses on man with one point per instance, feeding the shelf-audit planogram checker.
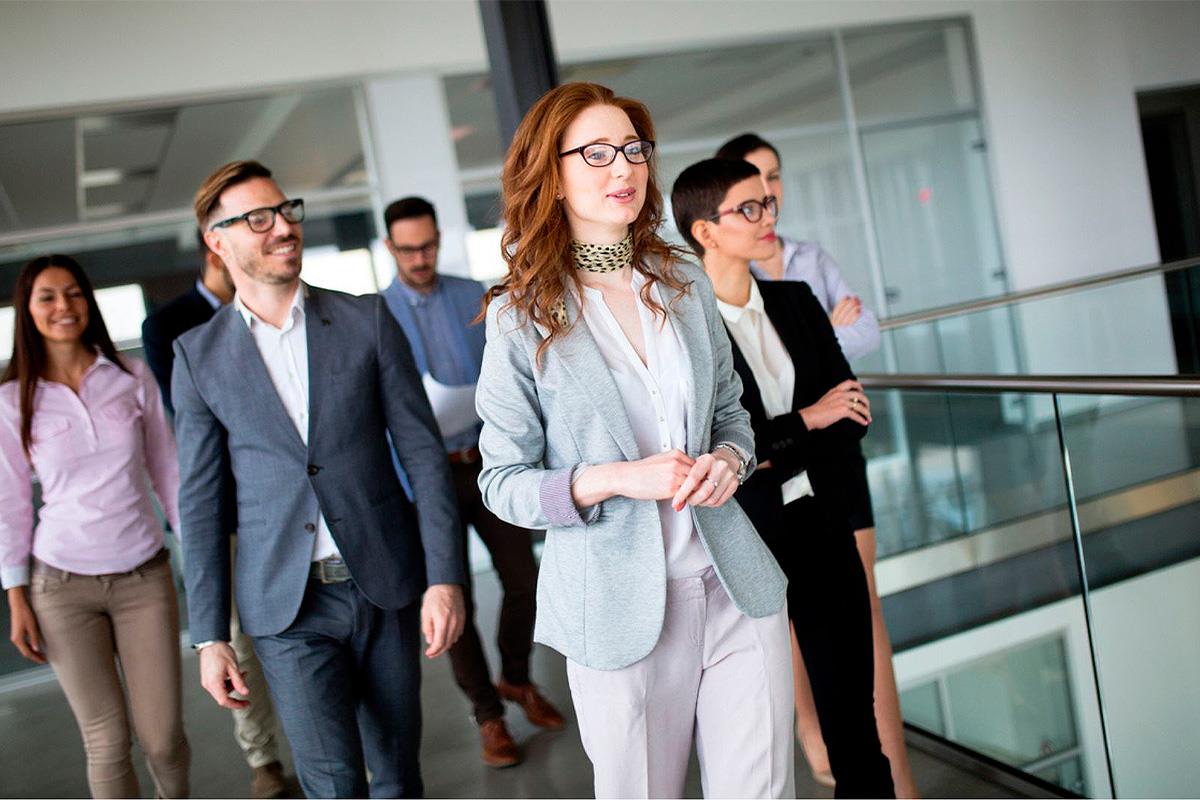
(409, 251)
(601, 154)
(261, 220)
(752, 210)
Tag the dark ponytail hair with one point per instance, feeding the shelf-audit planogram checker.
(29, 359)
(741, 146)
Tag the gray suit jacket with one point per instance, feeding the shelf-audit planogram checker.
(602, 587)
(362, 382)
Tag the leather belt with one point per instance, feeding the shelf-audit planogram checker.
(45, 570)
(468, 456)
(329, 570)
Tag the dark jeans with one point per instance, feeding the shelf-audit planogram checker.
(346, 680)
(512, 556)
(831, 613)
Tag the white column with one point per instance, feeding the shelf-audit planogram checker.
(413, 154)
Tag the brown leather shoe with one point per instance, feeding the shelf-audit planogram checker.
(497, 746)
(537, 708)
(268, 782)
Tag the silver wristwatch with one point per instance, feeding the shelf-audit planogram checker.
(743, 459)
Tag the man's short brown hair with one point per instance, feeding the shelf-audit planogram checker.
(208, 196)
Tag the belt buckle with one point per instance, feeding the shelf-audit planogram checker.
(322, 575)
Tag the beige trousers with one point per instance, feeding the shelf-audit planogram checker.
(715, 675)
(91, 625)
(253, 726)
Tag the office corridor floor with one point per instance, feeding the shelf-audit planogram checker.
(41, 754)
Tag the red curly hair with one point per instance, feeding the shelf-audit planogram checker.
(536, 243)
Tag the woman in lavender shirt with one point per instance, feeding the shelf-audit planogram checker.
(857, 331)
(90, 587)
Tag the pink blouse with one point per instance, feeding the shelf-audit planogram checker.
(92, 453)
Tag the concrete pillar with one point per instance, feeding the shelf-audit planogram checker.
(412, 153)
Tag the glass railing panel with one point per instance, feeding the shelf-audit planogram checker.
(915, 485)
(1142, 559)
(996, 658)
(980, 580)
(945, 465)
(1117, 329)
(1140, 325)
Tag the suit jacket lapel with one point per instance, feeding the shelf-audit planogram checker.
(691, 327)
(751, 396)
(582, 358)
(795, 340)
(322, 355)
(251, 374)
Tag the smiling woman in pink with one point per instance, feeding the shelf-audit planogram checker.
(90, 588)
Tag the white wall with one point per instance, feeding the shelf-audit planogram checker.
(59, 54)
(1147, 633)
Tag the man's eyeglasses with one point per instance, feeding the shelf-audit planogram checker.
(601, 154)
(409, 250)
(752, 210)
(261, 220)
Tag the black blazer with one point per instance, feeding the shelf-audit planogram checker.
(163, 327)
(791, 447)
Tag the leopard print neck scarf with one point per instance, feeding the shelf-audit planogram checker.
(603, 257)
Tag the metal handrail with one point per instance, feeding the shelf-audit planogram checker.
(1133, 385)
(932, 314)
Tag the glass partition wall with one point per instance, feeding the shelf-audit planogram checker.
(1038, 579)
(879, 130)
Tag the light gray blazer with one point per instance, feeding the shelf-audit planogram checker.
(602, 587)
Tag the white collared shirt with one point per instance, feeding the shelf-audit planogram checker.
(771, 366)
(654, 395)
(285, 353)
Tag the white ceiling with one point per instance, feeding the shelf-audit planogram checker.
(73, 170)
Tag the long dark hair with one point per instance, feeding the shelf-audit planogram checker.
(28, 362)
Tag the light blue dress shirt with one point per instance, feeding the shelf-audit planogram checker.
(808, 262)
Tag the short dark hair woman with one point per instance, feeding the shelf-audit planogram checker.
(90, 587)
(807, 412)
(857, 332)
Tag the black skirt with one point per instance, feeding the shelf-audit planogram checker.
(858, 492)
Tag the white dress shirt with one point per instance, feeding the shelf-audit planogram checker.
(771, 366)
(655, 398)
(285, 353)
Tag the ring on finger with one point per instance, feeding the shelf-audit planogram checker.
(714, 483)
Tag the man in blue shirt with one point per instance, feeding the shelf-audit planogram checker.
(436, 313)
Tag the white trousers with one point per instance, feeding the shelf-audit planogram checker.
(715, 675)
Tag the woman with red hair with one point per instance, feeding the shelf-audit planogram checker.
(611, 419)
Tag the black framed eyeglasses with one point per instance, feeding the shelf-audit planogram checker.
(426, 249)
(752, 210)
(601, 154)
(261, 220)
